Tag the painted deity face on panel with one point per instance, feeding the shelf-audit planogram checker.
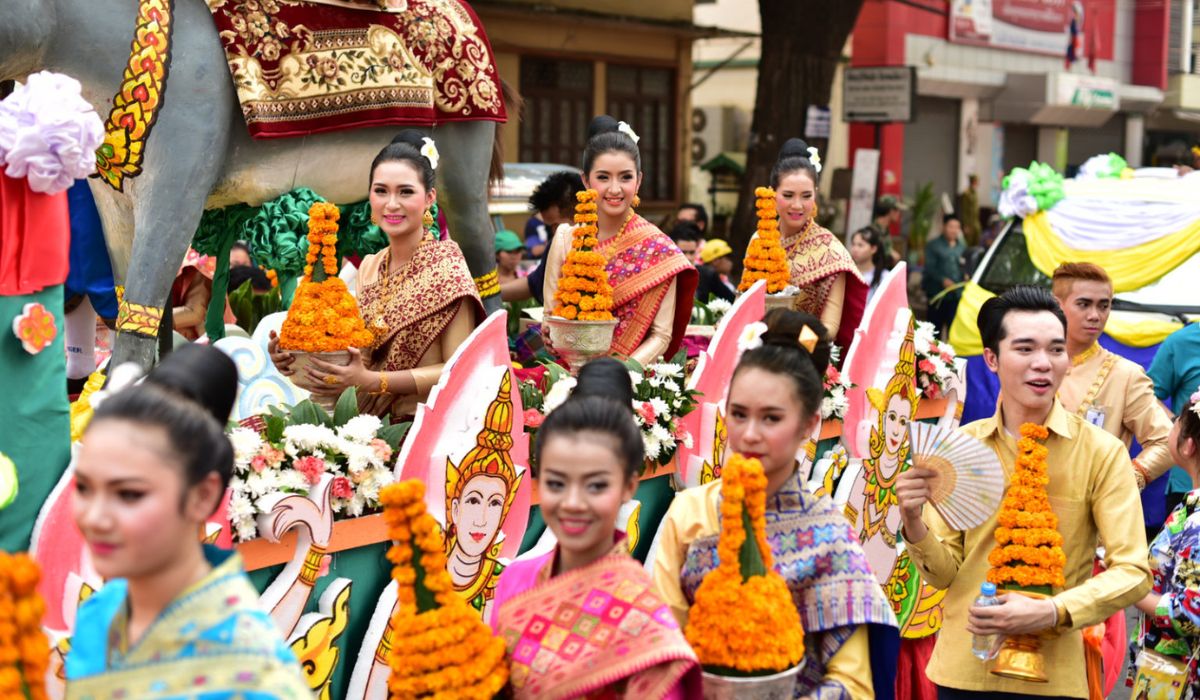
(896, 418)
(479, 513)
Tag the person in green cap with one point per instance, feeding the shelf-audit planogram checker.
(509, 251)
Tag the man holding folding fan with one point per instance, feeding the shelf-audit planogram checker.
(1091, 491)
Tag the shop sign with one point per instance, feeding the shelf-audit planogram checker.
(1088, 92)
(880, 94)
(1040, 26)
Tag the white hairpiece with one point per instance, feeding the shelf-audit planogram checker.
(430, 151)
(624, 128)
(814, 157)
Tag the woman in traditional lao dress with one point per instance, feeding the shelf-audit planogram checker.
(653, 283)
(176, 618)
(417, 295)
(617, 639)
(831, 287)
(773, 405)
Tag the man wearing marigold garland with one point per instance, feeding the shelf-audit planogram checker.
(1091, 491)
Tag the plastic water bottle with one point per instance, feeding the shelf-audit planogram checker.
(981, 644)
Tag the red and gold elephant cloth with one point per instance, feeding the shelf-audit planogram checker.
(306, 67)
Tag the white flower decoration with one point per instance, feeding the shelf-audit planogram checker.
(635, 378)
(360, 429)
(628, 131)
(751, 336)
(430, 151)
(558, 394)
(814, 157)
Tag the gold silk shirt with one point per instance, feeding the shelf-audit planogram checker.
(1092, 491)
(1115, 394)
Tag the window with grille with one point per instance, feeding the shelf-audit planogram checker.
(558, 107)
(645, 98)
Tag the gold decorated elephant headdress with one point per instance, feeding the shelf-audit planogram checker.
(491, 456)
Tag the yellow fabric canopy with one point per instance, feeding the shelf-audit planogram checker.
(1130, 268)
(964, 334)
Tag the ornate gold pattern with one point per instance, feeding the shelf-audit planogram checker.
(311, 569)
(139, 318)
(136, 104)
(488, 284)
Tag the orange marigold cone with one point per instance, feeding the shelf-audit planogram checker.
(323, 317)
(583, 290)
(24, 651)
(765, 257)
(744, 621)
(439, 645)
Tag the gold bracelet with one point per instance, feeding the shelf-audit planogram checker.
(382, 382)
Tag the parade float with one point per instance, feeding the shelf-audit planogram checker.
(307, 506)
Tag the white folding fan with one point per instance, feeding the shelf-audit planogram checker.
(970, 481)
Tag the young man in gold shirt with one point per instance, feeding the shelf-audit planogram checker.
(1102, 387)
(1091, 490)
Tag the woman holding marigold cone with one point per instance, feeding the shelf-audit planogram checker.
(653, 284)
(416, 296)
(773, 405)
(831, 287)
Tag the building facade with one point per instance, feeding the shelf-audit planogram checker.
(996, 89)
(572, 60)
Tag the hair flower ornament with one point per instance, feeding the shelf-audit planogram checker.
(624, 128)
(1194, 400)
(430, 151)
(751, 336)
(814, 157)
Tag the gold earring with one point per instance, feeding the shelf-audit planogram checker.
(374, 220)
(637, 201)
(816, 210)
(427, 219)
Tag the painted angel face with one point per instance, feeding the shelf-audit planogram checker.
(895, 423)
(479, 513)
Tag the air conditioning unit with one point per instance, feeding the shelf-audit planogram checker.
(715, 129)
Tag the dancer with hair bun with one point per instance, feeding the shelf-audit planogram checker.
(653, 283)
(831, 287)
(176, 618)
(773, 406)
(417, 295)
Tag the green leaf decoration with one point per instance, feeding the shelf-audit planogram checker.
(394, 434)
(275, 426)
(346, 408)
(308, 413)
(749, 556)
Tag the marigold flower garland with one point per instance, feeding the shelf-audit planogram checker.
(323, 316)
(440, 647)
(24, 651)
(765, 257)
(744, 622)
(1028, 552)
(584, 293)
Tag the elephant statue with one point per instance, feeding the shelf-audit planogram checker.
(200, 155)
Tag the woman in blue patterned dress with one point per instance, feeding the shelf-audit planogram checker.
(176, 619)
(773, 406)
(1171, 611)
